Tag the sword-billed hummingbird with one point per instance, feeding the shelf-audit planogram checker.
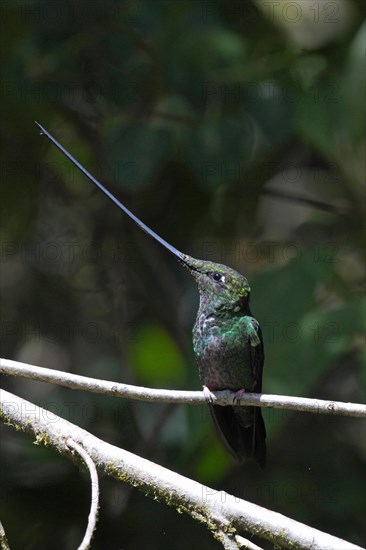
(227, 340)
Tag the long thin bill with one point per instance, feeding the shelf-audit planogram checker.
(140, 223)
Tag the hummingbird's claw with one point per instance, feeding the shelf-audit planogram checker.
(238, 395)
(209, 396)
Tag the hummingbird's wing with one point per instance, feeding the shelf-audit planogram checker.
(259, 430)
(242, 428)
(257, 358)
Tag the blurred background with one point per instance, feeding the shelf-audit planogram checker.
(236, 130)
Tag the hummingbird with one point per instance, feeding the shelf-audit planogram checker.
(227, 340)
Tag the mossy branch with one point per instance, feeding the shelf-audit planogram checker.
(224, 514)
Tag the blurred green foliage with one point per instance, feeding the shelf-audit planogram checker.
(236, 130)
(156, 359)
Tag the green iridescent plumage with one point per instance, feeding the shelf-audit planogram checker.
(227, 340)
(228, 347)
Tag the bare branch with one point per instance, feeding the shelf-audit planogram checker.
(220, 511)
(116, 389)
(93, 514)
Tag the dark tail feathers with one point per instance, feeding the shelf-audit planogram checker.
(244, 439)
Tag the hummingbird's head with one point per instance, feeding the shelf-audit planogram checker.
(220, 286)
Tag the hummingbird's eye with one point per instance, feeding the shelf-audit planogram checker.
(216, 276)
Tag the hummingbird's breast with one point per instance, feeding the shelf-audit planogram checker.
(222, 348)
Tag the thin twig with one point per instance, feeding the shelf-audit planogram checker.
(140, 393)
(247, 544)
(313, 203)
(94, 505)
(227, 540)
(220, 511)
(4, 545)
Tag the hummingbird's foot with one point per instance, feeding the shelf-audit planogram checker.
(209, 396)
(238, 395)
